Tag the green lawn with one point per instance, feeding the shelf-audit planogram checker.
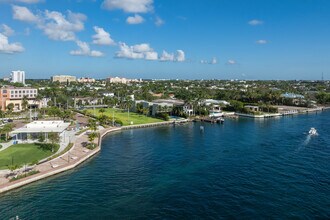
(22, 154)
(123, 116)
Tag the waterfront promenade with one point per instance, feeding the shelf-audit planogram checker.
(75, 156)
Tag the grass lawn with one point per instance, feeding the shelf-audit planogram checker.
(123, 116)
(22, 154)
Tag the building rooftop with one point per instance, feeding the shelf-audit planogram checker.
(43, 127)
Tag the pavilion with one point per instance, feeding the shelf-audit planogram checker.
(35, 128)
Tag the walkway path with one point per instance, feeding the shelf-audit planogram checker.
(68, 160)
(75, 156)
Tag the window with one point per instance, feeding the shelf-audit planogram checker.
(4, 91)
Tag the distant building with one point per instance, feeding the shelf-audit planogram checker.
(108, 94)
(63, 78)
(86, 80)
(17, 77)
(15, 96)
(122, 80)
(292, 96)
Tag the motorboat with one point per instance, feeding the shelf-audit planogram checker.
(312, 131)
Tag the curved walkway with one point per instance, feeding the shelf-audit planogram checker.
(75, 156)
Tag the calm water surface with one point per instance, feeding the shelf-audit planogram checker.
(243, 169)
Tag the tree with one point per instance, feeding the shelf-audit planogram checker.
(25, 102)
(91, 138)
(7, 129)
(54, 138)
(10, 107)
(92, 124)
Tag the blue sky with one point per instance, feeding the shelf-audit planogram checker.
(197, 39)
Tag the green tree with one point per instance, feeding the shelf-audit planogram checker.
(53, 137)
(7, 129)
(25, 102)
(92, 124)
(10, 107)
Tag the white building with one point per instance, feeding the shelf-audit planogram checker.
(122, 80)
(17, 77)
(86, 80)
(63, 78)
(34, 129)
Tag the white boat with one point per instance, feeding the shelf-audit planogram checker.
(312, 131)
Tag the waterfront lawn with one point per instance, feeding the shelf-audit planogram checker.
(123, 116)
(23, 154)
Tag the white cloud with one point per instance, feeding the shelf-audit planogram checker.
(180, 56)
(151, 55)
(60, 27)
(54, 24)
(213, 61)
(142, 48)
(6, 47)
(261, 42)
(139, 51)
(231, 62)
(136, 19)
(24, 14)
(6, 30)
(130, 6)
(167, 56)
(84, 50)
(144, 51)
(102, 37)
(255, 22)
(159, 21)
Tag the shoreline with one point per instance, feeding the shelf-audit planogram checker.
(74, 163)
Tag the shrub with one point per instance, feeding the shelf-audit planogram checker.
(117, 121)
(163, 116)
(91, 146)
(24, 175)
(47, 146)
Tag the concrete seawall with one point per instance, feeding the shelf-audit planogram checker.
(42, 175)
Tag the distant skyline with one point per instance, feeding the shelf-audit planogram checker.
(157, 39)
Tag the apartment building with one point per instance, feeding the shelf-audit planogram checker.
(15, 96)
(17, 77)
(63, 78)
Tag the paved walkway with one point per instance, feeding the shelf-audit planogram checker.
(68, 160)
(6, 145)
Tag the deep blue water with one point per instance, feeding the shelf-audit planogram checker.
(243, 169)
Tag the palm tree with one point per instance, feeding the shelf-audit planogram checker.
(7, 129)
(25, 103)
(91, 138)
(92, 124)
